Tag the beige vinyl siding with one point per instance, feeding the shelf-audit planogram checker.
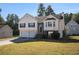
(61, 25)
(28, 31)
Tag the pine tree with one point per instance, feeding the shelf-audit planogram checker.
(0, 10)
(41, 10)
(49, 11)
(12, 21)
(1, 18)
(67, 17)
(77, 17)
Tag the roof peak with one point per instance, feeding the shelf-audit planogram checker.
(26, 15)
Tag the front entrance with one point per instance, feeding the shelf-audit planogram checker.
(40, 27)
(41, 33)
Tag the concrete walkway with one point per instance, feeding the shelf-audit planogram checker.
(7, 41)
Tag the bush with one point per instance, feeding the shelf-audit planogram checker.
(55, 35)
(41, 36)
(45, 36)
(15, 32)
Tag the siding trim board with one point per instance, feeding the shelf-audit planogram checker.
(28, 30)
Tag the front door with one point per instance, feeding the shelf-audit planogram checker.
(40, 27)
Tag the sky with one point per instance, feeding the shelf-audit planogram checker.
(31, 8)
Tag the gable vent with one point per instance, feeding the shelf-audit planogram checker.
(50, 19)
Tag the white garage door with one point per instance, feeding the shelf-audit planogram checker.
(28, 34)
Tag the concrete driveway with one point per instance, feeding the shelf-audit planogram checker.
(7, 41)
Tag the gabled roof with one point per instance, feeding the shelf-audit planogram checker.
(26, 15)
(41, 18)
(72, 22)
(1, 26)
(51, 16)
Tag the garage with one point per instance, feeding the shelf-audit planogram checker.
(28, 34)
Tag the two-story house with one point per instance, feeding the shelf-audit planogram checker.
(30, 26)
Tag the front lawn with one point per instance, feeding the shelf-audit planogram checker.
(74, 37)
(41, 47)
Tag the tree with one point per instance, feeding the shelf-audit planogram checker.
(41, 10)
(67, 17)
(16, 19)
(70, 16)
(77, 17)
(49, 10)
(12, 21)
(1, 20)
(0, 10)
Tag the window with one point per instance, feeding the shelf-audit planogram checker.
(53, 24)
(46, 24)
(22, 25)
(31, 24)
(50, 24)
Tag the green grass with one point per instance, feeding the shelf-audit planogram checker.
(74, 37)
(41, 47)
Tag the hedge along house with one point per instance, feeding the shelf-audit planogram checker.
(30, 26)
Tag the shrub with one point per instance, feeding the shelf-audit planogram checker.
(45, 36)
(55, 35)
(41, 36)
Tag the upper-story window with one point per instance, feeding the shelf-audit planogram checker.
(46, 24)
(49, 24)
(31, 24)
(22, 25)
(53, 24)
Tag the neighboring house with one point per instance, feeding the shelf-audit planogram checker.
(5, 31)
(72, 28)
(30, 26)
